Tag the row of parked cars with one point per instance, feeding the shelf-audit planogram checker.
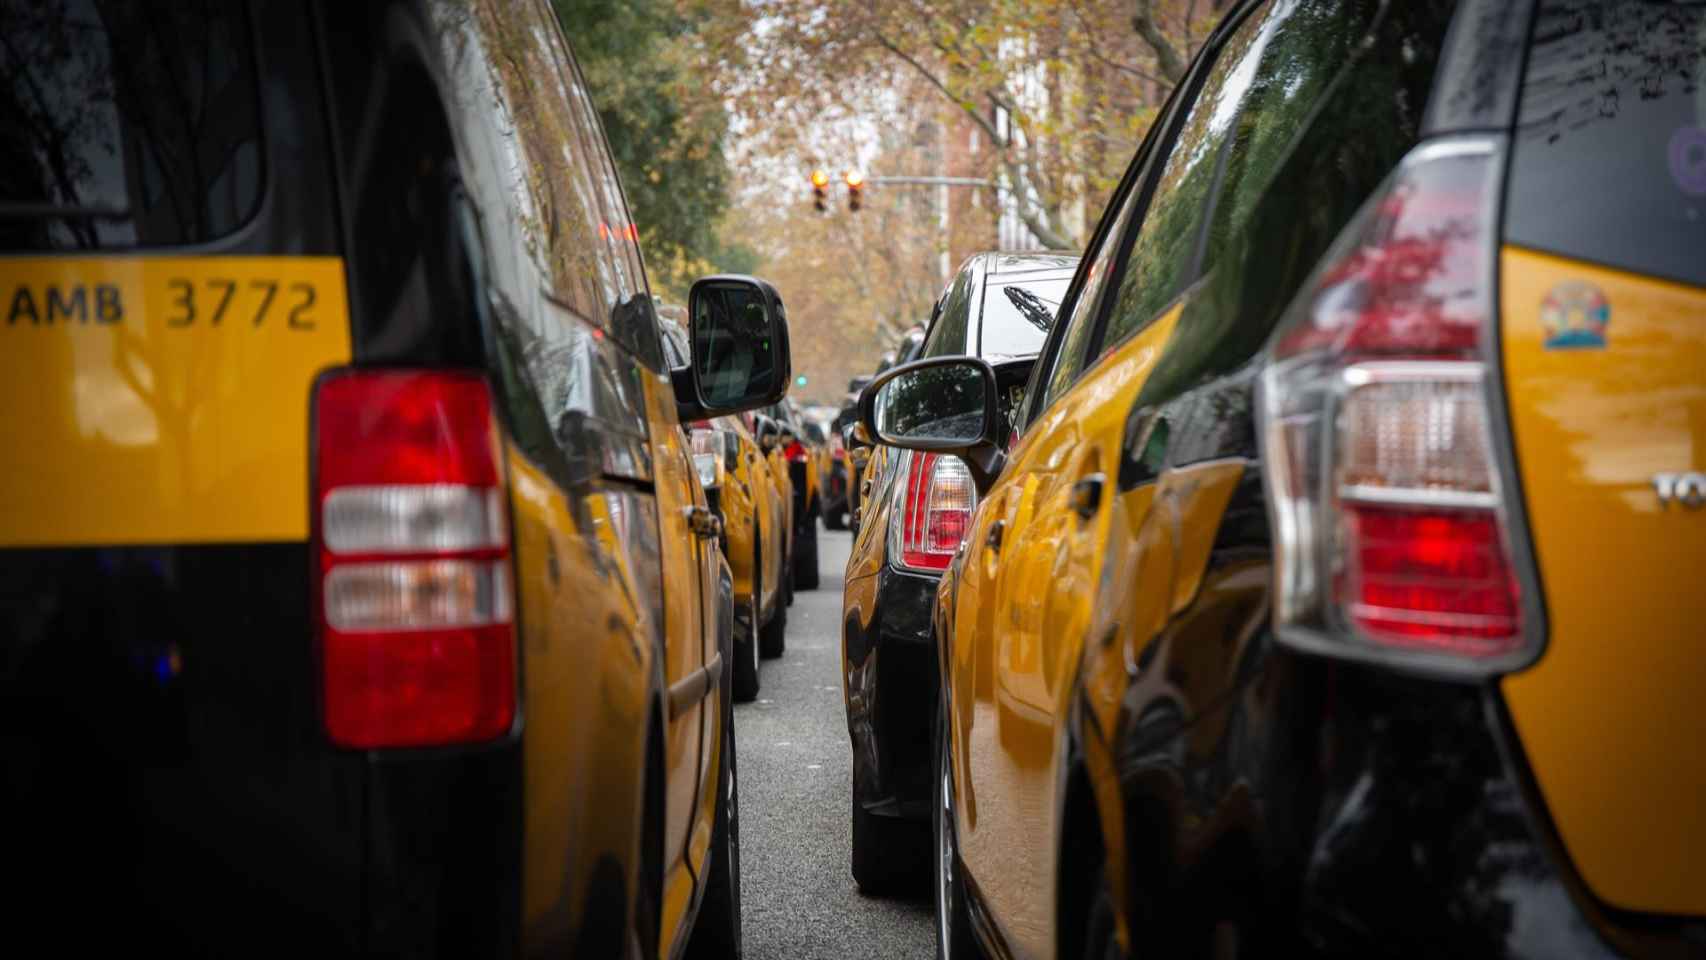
(1318, 576)
(378, 569)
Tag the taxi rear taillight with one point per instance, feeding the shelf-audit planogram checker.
(936, 512)
(795, 452)
(1394, 520)
(417, 636)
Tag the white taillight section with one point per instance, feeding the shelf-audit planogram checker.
(420, 595)
(413, 518)
(932, 519)
(416, 608)
(1393, 526)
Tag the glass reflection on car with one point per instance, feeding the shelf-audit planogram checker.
(731, 343)
(943, 403)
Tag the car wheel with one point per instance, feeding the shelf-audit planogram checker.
(805, 558)
(1101, 942)
(954, 939)
(716, 931)
(746, 681)
(773, 638)
(835, 520)
(788, 576)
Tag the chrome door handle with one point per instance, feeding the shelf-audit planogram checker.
(704, 524)
(1086, 496)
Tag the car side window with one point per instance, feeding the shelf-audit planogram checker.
(948, 334)
(1166, 244)
(1069, 353)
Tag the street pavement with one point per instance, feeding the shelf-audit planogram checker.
(798, 898)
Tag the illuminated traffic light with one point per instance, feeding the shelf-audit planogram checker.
(820, 191)
(855, 190)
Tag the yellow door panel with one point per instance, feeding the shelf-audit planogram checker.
(683, 646)
(1044, 588)
(162, 399)
(1612, 715)
(584, 641)
(1197, 495)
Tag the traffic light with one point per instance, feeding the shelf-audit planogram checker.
(855, 190)
(800, 380)
(820, 191)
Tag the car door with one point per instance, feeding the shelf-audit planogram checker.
(999, 735)
(690, 655)
(1055, 496)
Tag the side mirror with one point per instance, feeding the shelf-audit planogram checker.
(942, 405)
(855, 436)
(738, 339)
(767, 432)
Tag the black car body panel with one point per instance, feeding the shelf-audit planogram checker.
(889, 655)
(1313, 806)
(164, 754)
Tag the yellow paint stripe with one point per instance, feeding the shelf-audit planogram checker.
(162, 399)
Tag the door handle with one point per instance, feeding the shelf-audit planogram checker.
(704, 524)
(997, 531)
(1086, 496)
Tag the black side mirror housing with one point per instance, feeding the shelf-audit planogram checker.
(738, 346)
(766, 431)
(941, 405)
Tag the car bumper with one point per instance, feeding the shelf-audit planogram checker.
(1360, 813)
(891, 684)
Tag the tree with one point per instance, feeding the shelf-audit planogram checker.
(1061, 89)
(642, 60)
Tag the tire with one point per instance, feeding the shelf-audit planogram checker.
(745, 653)
(716, 931)
(890, 855)
(643, 937)
(1100, 941)
(954, 938)
(805, 558)
(773, 638)
(788, 573)
(835, 520)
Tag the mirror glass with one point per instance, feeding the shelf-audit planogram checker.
(943, 403)
(732, 348)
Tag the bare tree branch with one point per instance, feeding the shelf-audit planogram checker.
(1167, 58)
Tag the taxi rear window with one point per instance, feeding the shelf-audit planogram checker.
(125, 124)
(1609, 162)
(1017, 315)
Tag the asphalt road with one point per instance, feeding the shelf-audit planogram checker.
(798, 899)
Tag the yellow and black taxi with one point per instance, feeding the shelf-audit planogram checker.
(998, 306)
(771, 435)
(743, 495)
(801, 456)
(360, 597)
(1339, 595)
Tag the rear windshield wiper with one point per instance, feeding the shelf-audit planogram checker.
(1031, 306)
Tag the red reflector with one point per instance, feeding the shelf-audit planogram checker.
(419, 688)
(1430, 579)
(417, 641)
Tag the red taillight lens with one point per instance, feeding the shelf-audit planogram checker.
(417, 642)
(795, 452)
(1429, 579)
(936, 512)
(1392, 531)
